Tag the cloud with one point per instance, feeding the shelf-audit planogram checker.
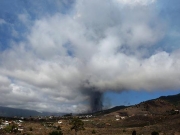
(2, 21)
(4, 85)
(65, 59)
(136, 2)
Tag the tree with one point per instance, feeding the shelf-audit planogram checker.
(154, 133)
(134, 132)
(77, 125)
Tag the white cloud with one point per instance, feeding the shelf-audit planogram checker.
(97, 45)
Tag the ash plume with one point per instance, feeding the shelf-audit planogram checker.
(96, 101)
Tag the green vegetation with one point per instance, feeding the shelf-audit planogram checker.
(11, 128)
(93, 131)
(77, 125)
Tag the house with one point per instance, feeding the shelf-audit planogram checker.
(20, 128)
(20, 121)
(122, 117)
(176, 111)
(59, 122)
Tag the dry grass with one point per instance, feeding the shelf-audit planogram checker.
(104, 125)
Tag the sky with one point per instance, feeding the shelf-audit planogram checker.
(79, 55)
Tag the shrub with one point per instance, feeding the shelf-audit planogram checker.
(56, 133)
(93, 132)
(11, 128)
(134, 132)
(8, 129)
(154, 133)
(77, 125)
(58, 128)
(25, 134)
(30, 129)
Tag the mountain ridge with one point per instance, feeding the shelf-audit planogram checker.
(17, 112)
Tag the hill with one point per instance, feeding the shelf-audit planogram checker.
(159, 106)
(12, 112)
(174, 99)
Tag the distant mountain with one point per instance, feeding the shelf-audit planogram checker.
(12, 112)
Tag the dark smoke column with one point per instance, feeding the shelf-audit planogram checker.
(95, 97)
(96, 101)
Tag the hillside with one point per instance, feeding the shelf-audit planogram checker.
(159, 106)
(174, 99)
(161, 114)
